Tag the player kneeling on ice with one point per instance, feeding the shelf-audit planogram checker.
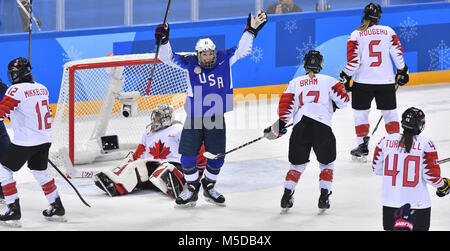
(27, 104)
(155, 163)
(408, 162)
(210, 96)
(311, 101)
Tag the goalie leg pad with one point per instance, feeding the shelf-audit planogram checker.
(125, 178)
(168, 179)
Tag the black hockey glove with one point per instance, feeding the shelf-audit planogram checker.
(345, 79)
(3, 86)
(162, 33)
(404, 218)
(402, 77)
(276, 130)
(255, 24)
(445, 189)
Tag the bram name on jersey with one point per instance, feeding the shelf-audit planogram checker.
(312, 97)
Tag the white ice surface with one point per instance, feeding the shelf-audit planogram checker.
(252, 182)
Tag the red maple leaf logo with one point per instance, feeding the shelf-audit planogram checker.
(159, 151)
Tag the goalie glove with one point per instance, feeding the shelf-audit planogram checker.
(276, 130)
(445, 189)
(404, 218)
(345, 79)
(402, 77)
(162, 33)
(255, 24)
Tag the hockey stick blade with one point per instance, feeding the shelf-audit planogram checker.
(209, 155)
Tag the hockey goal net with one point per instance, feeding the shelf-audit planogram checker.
(111, 96)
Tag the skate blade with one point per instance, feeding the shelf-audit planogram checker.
(56, 218)
(322, 211)
(11, 223)
(361, 159)
(215, 203)
(187, 205)
(284, 210)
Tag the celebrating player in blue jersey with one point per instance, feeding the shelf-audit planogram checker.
(210, 95)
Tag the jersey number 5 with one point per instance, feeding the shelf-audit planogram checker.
(376, 54)
(47, 123)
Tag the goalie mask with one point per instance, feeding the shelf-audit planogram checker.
(206, 53)
(313, 61)
(161, 117)
(413, 120)
(19, 71)
(372, 12)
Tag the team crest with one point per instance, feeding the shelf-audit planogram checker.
(197, 70)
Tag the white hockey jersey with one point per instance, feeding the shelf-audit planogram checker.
(406, 175)
(369, 55)
(31, 118)
(162, 144)
(313, 98)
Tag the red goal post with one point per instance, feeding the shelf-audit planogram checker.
(96, 93)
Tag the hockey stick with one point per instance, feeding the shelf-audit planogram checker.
(37, 21)
(59, 171)
(442, 161)
(157, 51)
(376, 127)
(209, 155)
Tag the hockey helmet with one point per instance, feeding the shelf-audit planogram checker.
(372, 12)
(313, 61)
(413, 120)
(19, 71)
(206, 44)
(161, 117)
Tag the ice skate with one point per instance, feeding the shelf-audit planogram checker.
(55, 212)
(211, 195)
(324, 202)
(189, 196)
(287, 201)
(360, 153)
(11, 215)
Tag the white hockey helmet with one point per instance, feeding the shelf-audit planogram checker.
(164, 112)
(206, 44)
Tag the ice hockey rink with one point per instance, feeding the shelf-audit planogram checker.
(252, 182)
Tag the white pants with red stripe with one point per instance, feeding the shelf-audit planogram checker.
(43, 178)
(295, 171)
(362, 125)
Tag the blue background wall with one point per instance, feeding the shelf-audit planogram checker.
(277, 52)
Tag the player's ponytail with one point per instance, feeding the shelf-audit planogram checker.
(407, 140)
(364, 26)
(311, 74)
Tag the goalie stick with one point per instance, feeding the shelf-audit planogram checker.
(59, 171)
(209, 155)
(157, 51)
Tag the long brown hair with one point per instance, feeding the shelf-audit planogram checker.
(407, 140)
